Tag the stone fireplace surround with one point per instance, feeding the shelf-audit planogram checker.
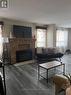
(20, 44)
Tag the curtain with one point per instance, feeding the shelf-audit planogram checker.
(41, 37)
(62, 38)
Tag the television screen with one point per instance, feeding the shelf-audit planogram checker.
(22, 31)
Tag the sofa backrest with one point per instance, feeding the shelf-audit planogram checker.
(46, 50)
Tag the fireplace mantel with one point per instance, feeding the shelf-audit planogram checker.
(17, 44)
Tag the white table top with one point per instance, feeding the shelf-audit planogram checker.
(51, 64)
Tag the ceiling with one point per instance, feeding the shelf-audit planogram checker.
(39, 11)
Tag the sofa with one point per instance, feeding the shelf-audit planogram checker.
(47, 54)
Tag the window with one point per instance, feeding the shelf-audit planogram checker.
(41, 37)
(1, 42)
(61, 38)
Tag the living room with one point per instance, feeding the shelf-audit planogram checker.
(21, 73)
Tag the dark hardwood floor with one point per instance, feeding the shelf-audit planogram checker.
(23, 79)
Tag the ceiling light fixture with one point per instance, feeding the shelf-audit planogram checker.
(3, 3)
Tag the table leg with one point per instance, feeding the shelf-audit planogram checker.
(38, 71)
(47, 76)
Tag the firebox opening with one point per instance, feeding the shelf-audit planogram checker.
(24, 55)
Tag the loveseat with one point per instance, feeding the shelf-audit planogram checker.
(47, 54)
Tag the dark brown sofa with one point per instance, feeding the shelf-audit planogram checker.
(48, 54)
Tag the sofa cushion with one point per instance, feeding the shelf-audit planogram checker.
(39, 50)
(49, 50)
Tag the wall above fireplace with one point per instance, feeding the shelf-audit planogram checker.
(20, 44)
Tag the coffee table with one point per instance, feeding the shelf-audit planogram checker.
(49, 65)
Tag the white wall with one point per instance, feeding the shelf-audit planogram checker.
(8, 26)
(51, 35)
(51, 30)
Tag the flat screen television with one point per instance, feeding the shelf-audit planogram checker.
(22, 31)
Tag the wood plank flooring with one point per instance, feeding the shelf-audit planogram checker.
(22, 79)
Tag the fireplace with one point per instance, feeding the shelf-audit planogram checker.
(24, 55)
(21, 49)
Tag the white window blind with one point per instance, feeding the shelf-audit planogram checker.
(41, 37)
(61, 38)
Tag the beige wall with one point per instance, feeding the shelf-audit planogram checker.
(51, 30)
(51, 35)
(8, 26)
